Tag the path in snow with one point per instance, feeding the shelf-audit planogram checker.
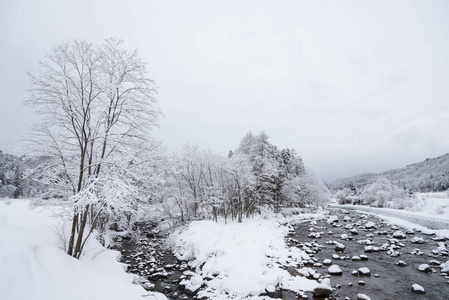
(429, 222)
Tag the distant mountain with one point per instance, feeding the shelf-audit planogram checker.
(429, 175)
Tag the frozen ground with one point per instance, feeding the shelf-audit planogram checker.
(33, 266)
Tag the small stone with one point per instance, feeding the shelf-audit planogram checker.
(327, 262)
(370, 225)
(399, 234)
(417, 240)
(361, 282)
(425, 268)
(363, 257)
(332, 219)
(350, 284)
(363, 297)
(395, 254)
(339, 247)
(364, 271)
(369, 249)
(416, 288)
(334, 270)
(356, 258)
(434, 263)
(376, 275)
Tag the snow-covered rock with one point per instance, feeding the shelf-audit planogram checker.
(417, 240)
(425, 268)
(334, 270)
(339, 247)
(401, 263)
(332, 219)
(322, 290)
(370, 225)
(364, 271)
(445, 267)
(399, 234)
(416, 288)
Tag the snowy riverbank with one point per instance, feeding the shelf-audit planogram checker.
(32, 266)
(238, 259)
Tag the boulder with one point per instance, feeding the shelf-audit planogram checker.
(322, 290)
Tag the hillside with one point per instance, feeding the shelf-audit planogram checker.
(431, 174)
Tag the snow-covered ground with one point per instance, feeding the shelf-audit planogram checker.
(238, 259)
(33, 266)
(432, 204)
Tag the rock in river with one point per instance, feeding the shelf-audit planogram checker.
(364, 271)
(399, 234)
(425, 268)
(322, 290)
(416, 288)
(335, 270)
(370, 225)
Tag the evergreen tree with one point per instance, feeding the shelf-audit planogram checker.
(17, 181)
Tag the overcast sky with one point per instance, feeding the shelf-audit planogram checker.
(353, 86)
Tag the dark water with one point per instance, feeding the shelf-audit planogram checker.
(162, 272)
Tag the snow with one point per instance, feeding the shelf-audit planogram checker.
(33, 266)
(242, 258)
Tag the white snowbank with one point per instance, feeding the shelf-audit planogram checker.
(240, 258)
(32, 266)
(432, 204)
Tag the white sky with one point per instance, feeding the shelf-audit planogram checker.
(353, 86)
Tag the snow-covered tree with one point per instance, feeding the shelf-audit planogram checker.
(383, 193)
(97, 108)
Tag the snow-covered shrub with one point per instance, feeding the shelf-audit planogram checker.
(383, 193)
(347, 196)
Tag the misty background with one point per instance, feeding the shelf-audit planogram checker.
(353, 86)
